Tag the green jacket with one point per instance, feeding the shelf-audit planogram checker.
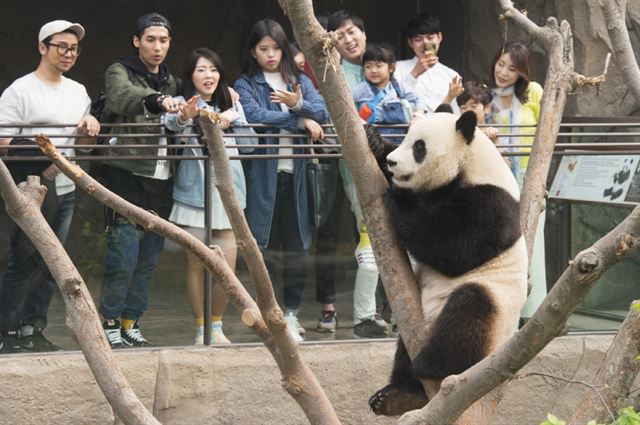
(127, 83)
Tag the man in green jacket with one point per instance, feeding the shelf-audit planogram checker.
(139, 89)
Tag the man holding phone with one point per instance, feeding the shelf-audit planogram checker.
(433, 82)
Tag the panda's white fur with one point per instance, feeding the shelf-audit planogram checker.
(503, 277)
(442, 156)
(448, 156)
(481, 163)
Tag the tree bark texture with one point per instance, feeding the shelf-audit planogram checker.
(297, 378)
(23, 206)
(397, 276)
(614, 16)
(616, 374)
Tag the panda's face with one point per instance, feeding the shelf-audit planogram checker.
(431, 154)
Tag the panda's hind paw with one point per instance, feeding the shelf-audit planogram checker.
(392, 401)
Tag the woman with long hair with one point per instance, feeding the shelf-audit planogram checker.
(516, 101)
(205, 86)
(275, 92)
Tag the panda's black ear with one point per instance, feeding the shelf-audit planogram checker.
(466, 125)
(444, 107)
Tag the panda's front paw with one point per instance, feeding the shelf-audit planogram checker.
(392, 401)
(376, 142)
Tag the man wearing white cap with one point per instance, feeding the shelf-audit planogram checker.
(44, 96)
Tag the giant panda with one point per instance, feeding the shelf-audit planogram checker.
(454, 205)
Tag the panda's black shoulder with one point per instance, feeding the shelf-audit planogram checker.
(455, 228)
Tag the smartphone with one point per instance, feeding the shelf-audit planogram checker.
(431, 48)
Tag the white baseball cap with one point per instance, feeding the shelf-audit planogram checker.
(54, 27)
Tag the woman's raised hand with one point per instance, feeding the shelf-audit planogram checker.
(189, 109)
(290, 99)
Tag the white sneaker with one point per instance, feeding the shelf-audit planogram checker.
(380, 321)
(217, 336)
(293, 325)
(302, 331)
(199, 335)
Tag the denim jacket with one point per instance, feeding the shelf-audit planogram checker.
(262, 174)
(395, 106)
(188, 186)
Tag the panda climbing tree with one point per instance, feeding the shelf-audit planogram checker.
(448, 407)
(454, 205)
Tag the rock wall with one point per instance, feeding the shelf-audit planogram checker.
(485, 34)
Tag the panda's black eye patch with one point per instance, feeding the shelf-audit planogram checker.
(419, 151)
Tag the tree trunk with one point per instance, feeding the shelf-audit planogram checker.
(616, 374)
(614, 16)
(397, 276)
(558, 43)
(23, 206)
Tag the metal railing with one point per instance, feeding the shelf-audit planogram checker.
(98, 152)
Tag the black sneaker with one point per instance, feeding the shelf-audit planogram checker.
(9, 342)
(36, 342)
(133, 337)
(112, 331)
(370, 328)
(328, 321)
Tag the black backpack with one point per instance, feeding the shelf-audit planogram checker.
(98, 108)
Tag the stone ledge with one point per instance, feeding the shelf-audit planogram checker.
(241, 384)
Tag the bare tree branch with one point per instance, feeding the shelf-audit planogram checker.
(614, 16)
(297, 378)
(595, 388)
(211, 259)
(580, 80)
(616, 374)
(23, 206)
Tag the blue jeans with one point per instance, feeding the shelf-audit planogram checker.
(132, 255)
(65, 214)
(285, 245)
(27, 285)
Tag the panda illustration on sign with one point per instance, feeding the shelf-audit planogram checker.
(454, 205)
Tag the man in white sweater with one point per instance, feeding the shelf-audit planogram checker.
(433, 82)
(44, 96)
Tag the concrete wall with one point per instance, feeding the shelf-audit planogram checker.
(241, 385)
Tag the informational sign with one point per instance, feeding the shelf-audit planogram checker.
(599, 178)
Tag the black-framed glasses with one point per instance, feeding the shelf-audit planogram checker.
(63, 49)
